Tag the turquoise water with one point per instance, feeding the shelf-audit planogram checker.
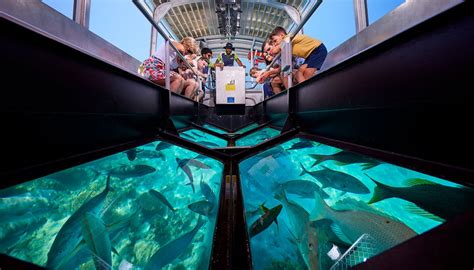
(203, 138)
(247, 128)
(159, 209)
(257, 137)
(287, 183)
(215, 129)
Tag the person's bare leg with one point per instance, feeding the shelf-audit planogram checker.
(300, 73)
(276, 85)
(189, 88)
(285, 82)
(176, 83)
(309, 72)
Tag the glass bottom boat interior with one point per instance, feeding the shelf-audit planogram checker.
(366, 174)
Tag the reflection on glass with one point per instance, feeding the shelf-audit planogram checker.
(257, 137)
(215, 129)
(377, 9)
(203, 138)
(307, 203)
(149, 207)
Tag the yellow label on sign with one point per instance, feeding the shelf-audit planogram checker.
(230, 87)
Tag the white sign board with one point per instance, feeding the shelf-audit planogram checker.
(230, 85)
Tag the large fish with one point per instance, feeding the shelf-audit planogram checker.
(302, 145)
(183, 164)
(265, 220)
(192, 162)
(163, 146)
(131, 154)
(203, 207)
(169, 252)
(69, 236)
(97, 240)
(353, 223)
(344, 158)
(443, 201)
(161, 198)
(207, 192)
(304, 233)
(338, 180)
(302, 188)
(128, 171)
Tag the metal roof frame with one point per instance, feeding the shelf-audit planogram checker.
(198, 18)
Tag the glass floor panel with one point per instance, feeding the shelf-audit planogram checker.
(149, 207)
(247, 128)
(215, 129)
(203, 138)
(257, 137)
(326, 199)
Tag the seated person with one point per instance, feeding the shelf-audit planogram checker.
(153, 68)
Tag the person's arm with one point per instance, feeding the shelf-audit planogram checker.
(236, 58)
(218, 62)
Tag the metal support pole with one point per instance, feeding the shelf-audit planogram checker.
(167, 65)
(81, 12)
(361, 15)
(153, 40)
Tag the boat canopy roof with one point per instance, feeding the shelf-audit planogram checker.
(244, 23)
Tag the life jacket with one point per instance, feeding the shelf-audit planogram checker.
(228, 59)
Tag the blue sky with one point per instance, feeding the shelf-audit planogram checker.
(122, 24)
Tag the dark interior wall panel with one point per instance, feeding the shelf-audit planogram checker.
(235, 122)
(182, 110)
(277, 109)
(57, 102)
(410, 95)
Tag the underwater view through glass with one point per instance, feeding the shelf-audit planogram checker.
(150, 207)
(257, 137)
(203, 138)
(313, 206)
(247, 128)
(215, 129)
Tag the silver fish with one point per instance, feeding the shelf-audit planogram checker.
(302, 145)
(172, 250)
(203, 207)
(305, 234)
(183, 165)
(265, 220)
(163, 146)
(69, 236)
(207, 192)
(344, 158)
(161, 198)
(338, 180)
(426, 194)
(97, 239)
(302, 188)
